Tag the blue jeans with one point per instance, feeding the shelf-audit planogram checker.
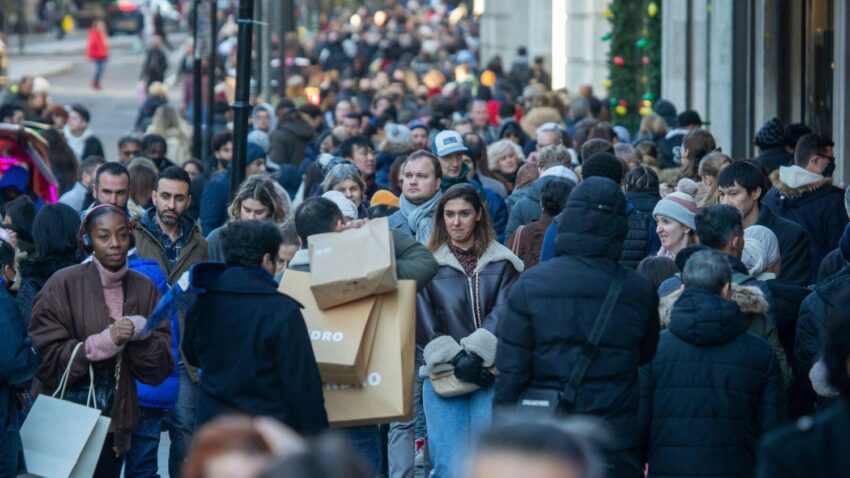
(141, 458)
(181, 423)
(453, 425)
(99, 65)
(366, 441)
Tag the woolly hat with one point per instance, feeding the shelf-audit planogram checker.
(349, 210)
(255, 152)
(397, 133)
(771, 135)
(417, 124)
(679, 206)
(761, 249)
(384, 197)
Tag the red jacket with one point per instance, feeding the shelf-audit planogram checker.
(97, 47)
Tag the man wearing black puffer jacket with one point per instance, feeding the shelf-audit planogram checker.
(552, 309)
(712, 388)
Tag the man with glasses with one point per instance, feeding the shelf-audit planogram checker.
(128, 148)
(803, 194)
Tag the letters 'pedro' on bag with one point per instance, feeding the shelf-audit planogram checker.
(342, 336)
(352, 264)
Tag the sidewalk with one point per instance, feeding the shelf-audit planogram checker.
(22, 65)
(73, 44)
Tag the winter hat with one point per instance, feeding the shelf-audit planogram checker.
(40, 85)
(623, 134)
(761, 249)
(255, 152)
(417, 124)
(771, 135)
(448, 142)
(666, 110)
(349, 210)
(384, 197)
(603, 165)
(679, 206)
(688, 118)
(397, 133)
(594, 221)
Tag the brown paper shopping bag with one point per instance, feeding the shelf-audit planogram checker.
(387, 393)
(352, 264)
(342, 337)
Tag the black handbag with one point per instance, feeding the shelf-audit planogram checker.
(551, 401)
(105, 387)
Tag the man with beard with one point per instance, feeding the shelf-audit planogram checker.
(171, 238)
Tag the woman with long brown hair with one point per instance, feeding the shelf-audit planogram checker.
(458, 312)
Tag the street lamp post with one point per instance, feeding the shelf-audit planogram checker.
(196, 84)
(242, 106)
(211, 67)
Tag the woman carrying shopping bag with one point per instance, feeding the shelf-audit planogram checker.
(103, 305)
(458, 312)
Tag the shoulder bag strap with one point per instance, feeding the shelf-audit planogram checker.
(517, 239)
(590, 349)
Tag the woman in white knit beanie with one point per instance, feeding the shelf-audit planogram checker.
(761, 252)
(674, 215)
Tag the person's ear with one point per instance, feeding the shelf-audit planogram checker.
(726, 291)
(757, 192)
(439, 183)
(340, 226)
(153, 196)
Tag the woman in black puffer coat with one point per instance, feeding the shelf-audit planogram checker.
(457, 315)
(55, 233)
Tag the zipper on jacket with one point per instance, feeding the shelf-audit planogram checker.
(472, 302)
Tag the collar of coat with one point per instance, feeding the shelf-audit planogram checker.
(495, 252)
(792, 192)
(750, 300)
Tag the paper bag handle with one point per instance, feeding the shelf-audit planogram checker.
(63, 382)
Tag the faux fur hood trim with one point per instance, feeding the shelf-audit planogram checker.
(494, 253)
(794, 193)
(750, 300)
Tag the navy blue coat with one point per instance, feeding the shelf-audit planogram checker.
(710, 392)
(818, 208)
(17, 364)
(214, 201)
(552, 308)
(252, 345)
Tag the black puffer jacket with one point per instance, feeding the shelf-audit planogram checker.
(710, 392)
(446, 306)
(552, 310)
(643, 201)
(636, 245)
(34, 273)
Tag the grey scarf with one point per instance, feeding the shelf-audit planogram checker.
(420, 218)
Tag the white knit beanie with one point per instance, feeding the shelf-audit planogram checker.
(679, 206)
(348, 208)
(761, 249)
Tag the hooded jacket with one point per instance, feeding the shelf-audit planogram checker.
(268, 368)
(812, 202)
(552, 308)
(289, 140)
(710, 392)
(527, 209)
(450, 306)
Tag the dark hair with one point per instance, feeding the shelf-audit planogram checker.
(63, 162)
(717, 224)
(194, 162)
(21, 211)
(346, 149)
(91, 164)
(143, 179)
(699, 143)
(354, 115)
(642, 179)
(745, 174)
(507, 110)
(82, 111)
(8, 110)
(174, 173)
(112, 168)
(707, 270)
(657, 269)
(793, 132)
(483, 233)
(381, 210)
(289, 234)
(221, 139)
(554, 194)
(101, 210)
(316, 215)
(604, 165)
(836, 343)
(7, 254)
(55, 230)
(245, 243)
(149, 140)
(395, 169)
(595, 145)
(808, 146)
(128, 138)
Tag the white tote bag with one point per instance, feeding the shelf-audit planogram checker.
(62, 438)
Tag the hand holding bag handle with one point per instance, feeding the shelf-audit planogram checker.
(63, 382)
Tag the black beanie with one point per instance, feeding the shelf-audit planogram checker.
(603, 165)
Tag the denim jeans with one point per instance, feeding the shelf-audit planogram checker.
(367, 443)
(453, 426)
(141, 459)
(181, 423)
(99, 66)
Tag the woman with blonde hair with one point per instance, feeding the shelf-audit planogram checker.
(258, 199)
(652, 127)
(709, 169)
(176, 131)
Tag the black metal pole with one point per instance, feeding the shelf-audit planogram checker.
(242, 105)
(197, 137)
(211, 67)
